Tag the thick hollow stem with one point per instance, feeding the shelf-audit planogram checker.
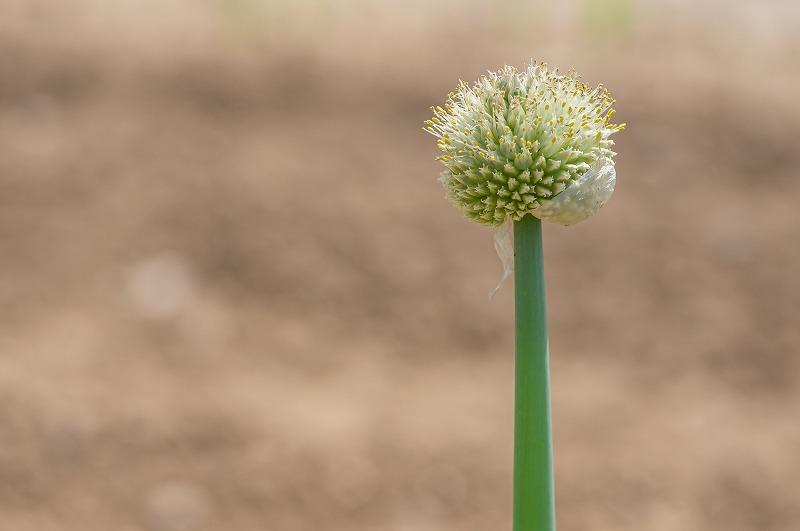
(534, 502)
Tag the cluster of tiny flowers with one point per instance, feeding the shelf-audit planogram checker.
(514, 141)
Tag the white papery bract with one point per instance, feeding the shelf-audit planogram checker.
(531, 141)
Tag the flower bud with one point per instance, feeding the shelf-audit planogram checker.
(526, 142)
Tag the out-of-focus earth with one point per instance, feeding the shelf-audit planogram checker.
(232, 296)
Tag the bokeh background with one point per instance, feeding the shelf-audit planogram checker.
(232, 296)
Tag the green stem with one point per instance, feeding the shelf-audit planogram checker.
(534, 502)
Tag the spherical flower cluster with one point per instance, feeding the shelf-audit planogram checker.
(532, 141)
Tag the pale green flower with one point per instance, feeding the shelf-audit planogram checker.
(532, 141)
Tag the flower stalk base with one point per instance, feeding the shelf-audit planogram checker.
(534, 501)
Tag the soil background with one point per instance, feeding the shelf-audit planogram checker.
(232, 296)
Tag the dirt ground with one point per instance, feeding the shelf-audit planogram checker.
(232, 296)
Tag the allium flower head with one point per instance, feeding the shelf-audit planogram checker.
(532, 141)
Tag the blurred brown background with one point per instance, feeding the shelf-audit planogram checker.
(232, 296)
